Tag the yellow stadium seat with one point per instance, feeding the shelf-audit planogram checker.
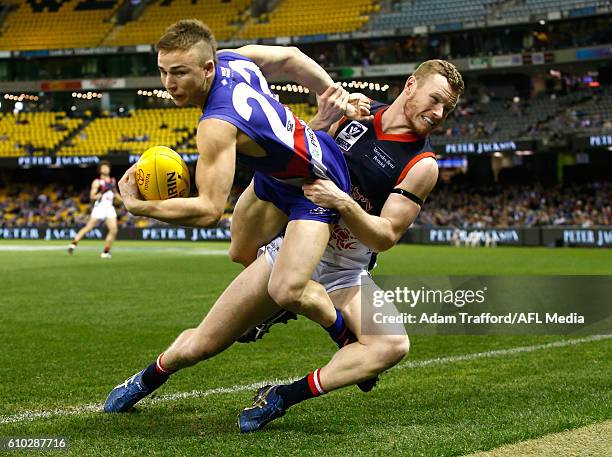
(308, 17)
(34, 133)
(25, 29)
(143, 129)
(219, 15)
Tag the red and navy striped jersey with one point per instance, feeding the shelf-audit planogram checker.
(107, 185)
(378, 161)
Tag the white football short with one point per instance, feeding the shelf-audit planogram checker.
(331, 276)
(104, 212)
(379, 316)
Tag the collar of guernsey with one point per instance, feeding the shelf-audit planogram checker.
(401, 137)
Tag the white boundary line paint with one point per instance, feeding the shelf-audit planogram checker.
(120, 249)
(498, 352)
(29, 416)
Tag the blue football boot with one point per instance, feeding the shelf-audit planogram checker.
(123, 397)
(267, 407)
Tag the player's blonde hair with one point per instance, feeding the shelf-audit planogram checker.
(444, 68)
(185, 34)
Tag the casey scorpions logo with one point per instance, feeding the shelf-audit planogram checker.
(342, 238)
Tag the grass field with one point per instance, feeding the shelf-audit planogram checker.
(74, 327)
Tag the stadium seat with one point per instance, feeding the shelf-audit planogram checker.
(136, 133)
(34, 133)
(309, 17)
(54, 24)
(221, 16)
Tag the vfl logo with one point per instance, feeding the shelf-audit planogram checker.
(354, 130)
(140, 177)
(350, 134)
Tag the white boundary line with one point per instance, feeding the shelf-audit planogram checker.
(121, 249)
(29, 416)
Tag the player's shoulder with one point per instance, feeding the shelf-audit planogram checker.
(376, 106)
(226, 55)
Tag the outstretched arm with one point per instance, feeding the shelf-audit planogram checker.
(216, 140)
(288, 61)
(379, 233)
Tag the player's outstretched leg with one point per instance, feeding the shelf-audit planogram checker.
(244, 303)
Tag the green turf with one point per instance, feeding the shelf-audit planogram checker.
(73, 327)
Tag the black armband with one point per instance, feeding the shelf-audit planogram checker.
(408, 195)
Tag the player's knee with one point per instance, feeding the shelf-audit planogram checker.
(401, 347)
(397, 348)
(391, 350)
(286, 295)
(241, 256)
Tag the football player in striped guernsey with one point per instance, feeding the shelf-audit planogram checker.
(242, 119)
(103, 193)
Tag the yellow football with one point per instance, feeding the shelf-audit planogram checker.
(161, 174)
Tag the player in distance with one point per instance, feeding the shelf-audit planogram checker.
(103, 193)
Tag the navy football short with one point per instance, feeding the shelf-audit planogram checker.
(291, 200)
